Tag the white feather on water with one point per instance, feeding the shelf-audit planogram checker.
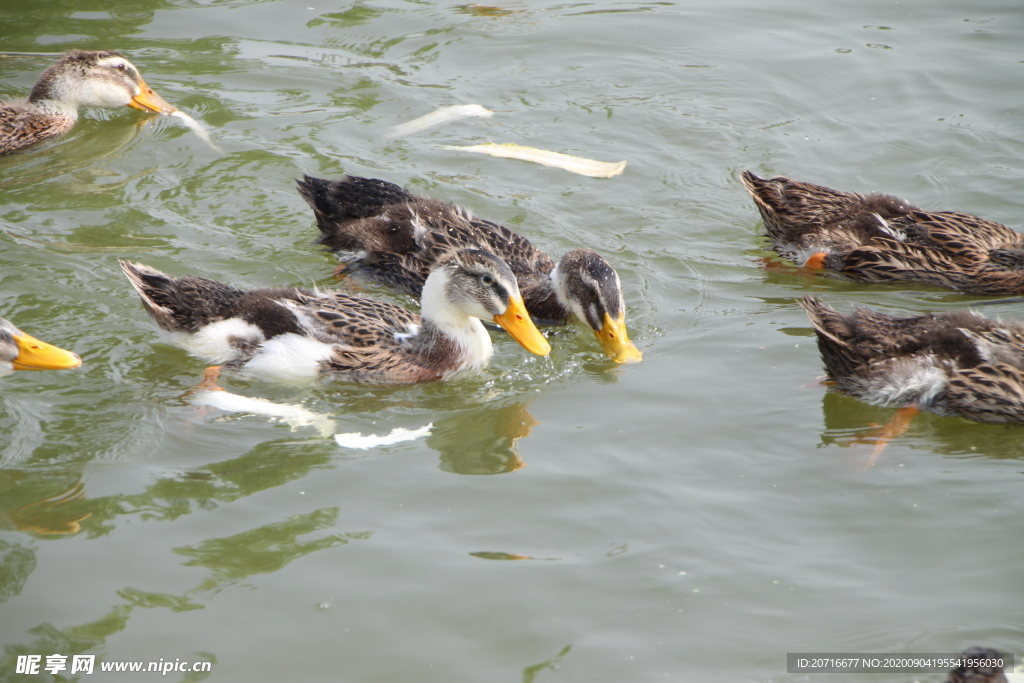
(296, 416)
(397, 435)
(437, 118)
(196, 128)
(291, 414)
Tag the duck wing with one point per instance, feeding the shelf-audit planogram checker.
(367, 338)
(398, 237)
(22, 124)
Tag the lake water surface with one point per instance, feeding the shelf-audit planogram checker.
(693, 517)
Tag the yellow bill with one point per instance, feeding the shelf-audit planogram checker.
(148, 100)
(38, 355)
(615, 341)
(517, 322)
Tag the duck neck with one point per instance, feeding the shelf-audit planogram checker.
(55, 107)
(449, 333)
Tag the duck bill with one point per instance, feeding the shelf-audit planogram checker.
(516, 322)
(38, 355)
(148, 100)
(615, 341)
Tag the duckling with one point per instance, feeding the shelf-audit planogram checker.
(881, 238)
(81, 78)
(19, 351)
(397, 237)
(289, 334)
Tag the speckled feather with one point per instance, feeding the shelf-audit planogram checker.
(957, 363)
(881, 238)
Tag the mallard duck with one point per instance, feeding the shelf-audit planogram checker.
(19, 351)
(79, 79)
(396, 238)
(288, 334)
(957, 363)
(880, 238)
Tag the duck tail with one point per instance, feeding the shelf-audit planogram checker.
(181, 304)
(835, 332)
(345, 209)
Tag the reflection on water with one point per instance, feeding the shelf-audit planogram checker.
(850, 423)
(230, 559)
(17, 562)
(265, 549)
(71, 640)
(84, 156)
(53, 514)
(482, 441)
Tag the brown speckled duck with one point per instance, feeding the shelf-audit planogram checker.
(954, 364)
(288, 334)
(880, 238)
(19, 351)
(80, 79)
(396, 237)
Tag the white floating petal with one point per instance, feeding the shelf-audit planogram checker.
(437, 118)
(510, 150)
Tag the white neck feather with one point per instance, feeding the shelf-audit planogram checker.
(437, 311)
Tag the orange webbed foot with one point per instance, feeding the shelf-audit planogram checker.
(209, 383)
(879, 437)
(815, 261)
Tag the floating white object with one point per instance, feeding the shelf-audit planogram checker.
(437, 118)
(510, 150)
(196, 128)
(397, 435)
(289, 413)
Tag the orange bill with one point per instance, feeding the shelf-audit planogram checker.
(38, 355)
(615, 341)
(148, 100)
(516, 322)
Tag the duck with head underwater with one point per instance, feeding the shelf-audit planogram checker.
(289, 334)
(80, 79)
(19, 351)
(396, 237)
(881, 238)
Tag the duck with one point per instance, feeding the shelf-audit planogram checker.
(882, 238)
(81, 78)
(957, 363)
(394, 237)
(286, 334)
(19, 351)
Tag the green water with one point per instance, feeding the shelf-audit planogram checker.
(693, 517)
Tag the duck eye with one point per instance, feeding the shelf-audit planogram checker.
(120, 67)
(487, 279)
